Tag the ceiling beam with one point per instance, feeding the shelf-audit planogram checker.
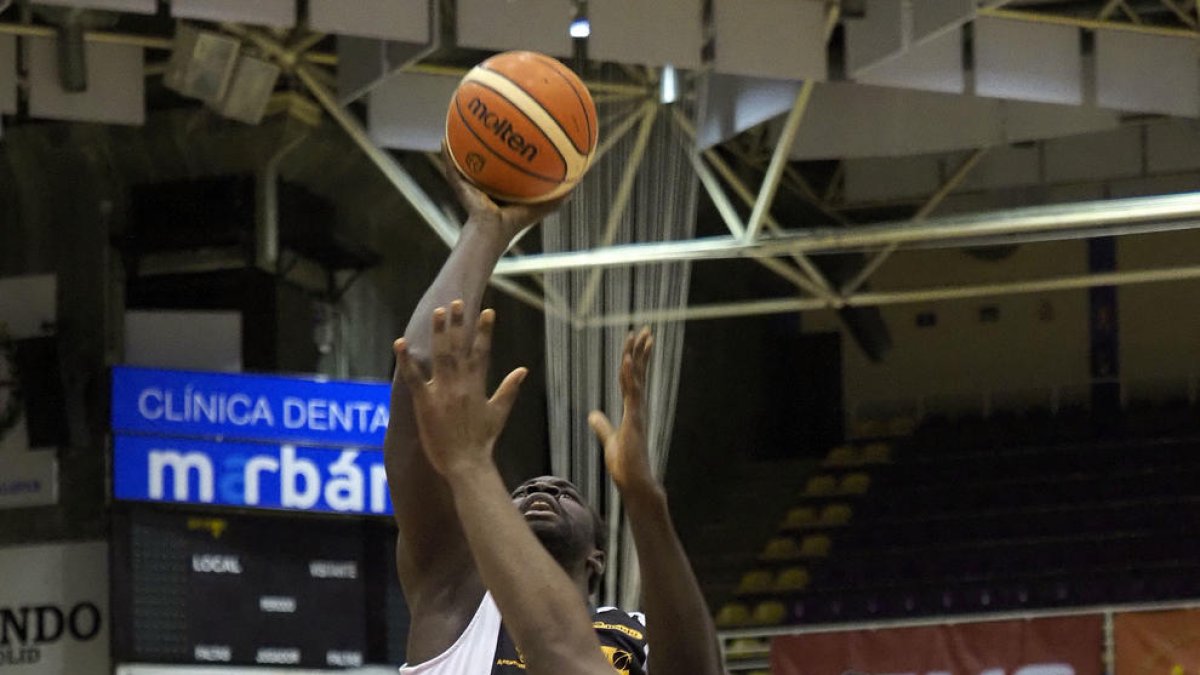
(899, 297)
(1172, 212)
(1089, 24)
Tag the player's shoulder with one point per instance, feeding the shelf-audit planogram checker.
(622, 639)
(613, 619)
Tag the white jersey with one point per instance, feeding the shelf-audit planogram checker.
(472, 652)
(485, 648)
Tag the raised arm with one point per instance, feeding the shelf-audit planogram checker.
(680, 630)
(431, 552)
(458, 426)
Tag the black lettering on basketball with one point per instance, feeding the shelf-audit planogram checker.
(469, 121)
(502, 128)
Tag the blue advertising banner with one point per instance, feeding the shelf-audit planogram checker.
(250, 475)
(249, 407)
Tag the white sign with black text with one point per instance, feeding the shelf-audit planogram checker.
(54, 609)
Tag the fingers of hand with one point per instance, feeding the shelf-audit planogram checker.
(456, 331)
(450, 171)
(630, 344)
(506, 394)
(529, 214)
(471, 197)
(444, 358)
(601, 426)
(407, 367)
(643, 346)
(631, 382)
(481, 350)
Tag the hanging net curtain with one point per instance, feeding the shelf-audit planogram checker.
(583, 355)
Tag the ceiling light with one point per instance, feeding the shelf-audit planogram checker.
(580, 28)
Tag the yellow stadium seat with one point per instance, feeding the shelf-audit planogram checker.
(819, 486)
(842, 455)
(816, 546)
(877, 453)
(855, 484)
(745, 648)
(769, 613)
(836, 514)
(781, 548)
(756, 581)
(759, 672)
(799, 518)
(733, 614)
(792, 579)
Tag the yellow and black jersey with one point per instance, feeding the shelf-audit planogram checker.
(622, 639)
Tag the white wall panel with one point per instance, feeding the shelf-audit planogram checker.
(364, 62)
(403, 20)
(652, 33)
(1028, 61)
(1155, 185)
(116, 84)
(891, 178)
(782, 39)
(407, 111)
(1025, 121)
(280, 13)
(933, 16)
(1173, 145)
(846, 120)
(1095, 156)
(1005, 167)
(538, 25)
(935, 65)
(188, 340)
(733, 104)
(877, 36)
(1148, 73)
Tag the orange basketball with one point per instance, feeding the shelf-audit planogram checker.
(522, 127)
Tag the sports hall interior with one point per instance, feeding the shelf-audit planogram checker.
(921, 271)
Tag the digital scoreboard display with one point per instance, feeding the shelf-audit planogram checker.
(241, 590)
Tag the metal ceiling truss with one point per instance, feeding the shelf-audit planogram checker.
(1126, 15)
(761, 238)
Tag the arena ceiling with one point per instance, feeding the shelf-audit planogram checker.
(917, 124)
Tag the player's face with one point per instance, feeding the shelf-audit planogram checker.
(558, 516)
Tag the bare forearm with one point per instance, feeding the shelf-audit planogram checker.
(431, 539)
(682, 635)
(464, 277)
(541, 607)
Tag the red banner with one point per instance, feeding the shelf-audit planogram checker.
(1059, 646)
(1158, 643)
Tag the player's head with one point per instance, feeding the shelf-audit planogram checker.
(570, 528)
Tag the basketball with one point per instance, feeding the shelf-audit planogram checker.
(522, 127)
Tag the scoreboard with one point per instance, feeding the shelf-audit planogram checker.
(217, 589)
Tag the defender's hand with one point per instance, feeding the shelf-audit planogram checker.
(457, 421)
(626, 451)
(510, 218)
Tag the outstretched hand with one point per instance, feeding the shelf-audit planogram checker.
(511, 218)
(626, 450)
(457, 421)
